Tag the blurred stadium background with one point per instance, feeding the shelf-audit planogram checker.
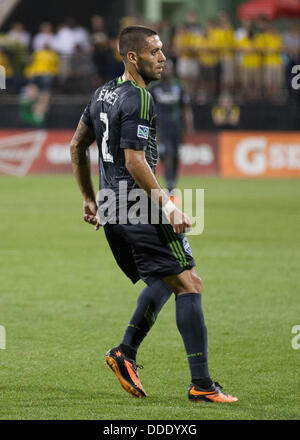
(238, 61)
(235, 59)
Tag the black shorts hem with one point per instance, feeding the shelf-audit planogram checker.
(175, 271)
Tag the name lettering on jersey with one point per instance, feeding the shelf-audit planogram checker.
(143, 131)
(108, 95)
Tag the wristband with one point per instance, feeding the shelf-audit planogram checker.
(168, 208)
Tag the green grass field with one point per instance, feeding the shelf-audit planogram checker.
(64, 303)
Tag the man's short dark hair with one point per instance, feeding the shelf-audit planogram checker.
(133, 38)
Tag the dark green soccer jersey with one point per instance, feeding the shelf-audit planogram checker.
(122, 115)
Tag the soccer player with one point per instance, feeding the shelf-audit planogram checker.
(174, 117)
(121, 116)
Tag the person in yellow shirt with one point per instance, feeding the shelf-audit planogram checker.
(41, 73)
(273, 66)
(208, 57)
(249, 65)
(224, 37)
(187, 65)
(270, 43)
(43, 68)
(225, 114)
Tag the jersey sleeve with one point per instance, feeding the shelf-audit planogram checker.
(135, 119)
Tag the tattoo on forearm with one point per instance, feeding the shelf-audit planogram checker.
(79, 156)
(82, 139)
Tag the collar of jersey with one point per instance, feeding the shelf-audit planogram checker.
(121, 81)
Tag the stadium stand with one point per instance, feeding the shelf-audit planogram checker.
(249, 63)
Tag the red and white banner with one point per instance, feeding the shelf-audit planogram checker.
(199, 154)
(230, 154)
(45, 151)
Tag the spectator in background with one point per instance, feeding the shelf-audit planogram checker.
(65, 42)
(240, 34)
(165, 30)
(225, 42)
(243, 30)
(208, 57)
(187, 65)
(116, 64)
(18, 34)
(101, 56)
(68, 36)
(98, 33)
(273, 68)
(129, 21)
(81, 69)
(80, 34)
(65, 39)
(192, 23)
(249, 61)
(101, 52)
(44, 37)
(18, 42)
(291, 42)
(226, 114)
(40, 73)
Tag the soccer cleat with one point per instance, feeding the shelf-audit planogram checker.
(126, 372)
(212, 394)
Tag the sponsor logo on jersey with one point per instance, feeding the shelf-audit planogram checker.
(143, 132)
(187, 246)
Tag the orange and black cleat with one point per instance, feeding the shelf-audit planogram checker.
(212, 394)
(126, 372)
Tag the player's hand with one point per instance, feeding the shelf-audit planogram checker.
(180, 221)
(90, 214)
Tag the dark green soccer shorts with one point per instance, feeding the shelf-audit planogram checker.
(147, 251)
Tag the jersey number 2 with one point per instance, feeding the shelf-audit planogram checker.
(107, 157)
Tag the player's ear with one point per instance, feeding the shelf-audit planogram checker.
(132, 57)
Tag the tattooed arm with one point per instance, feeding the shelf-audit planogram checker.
(82, 139)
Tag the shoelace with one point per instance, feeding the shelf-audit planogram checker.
(217, 385)
(136, 366)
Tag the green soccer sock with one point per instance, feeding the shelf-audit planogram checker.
(149, 303)
(191, 325)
